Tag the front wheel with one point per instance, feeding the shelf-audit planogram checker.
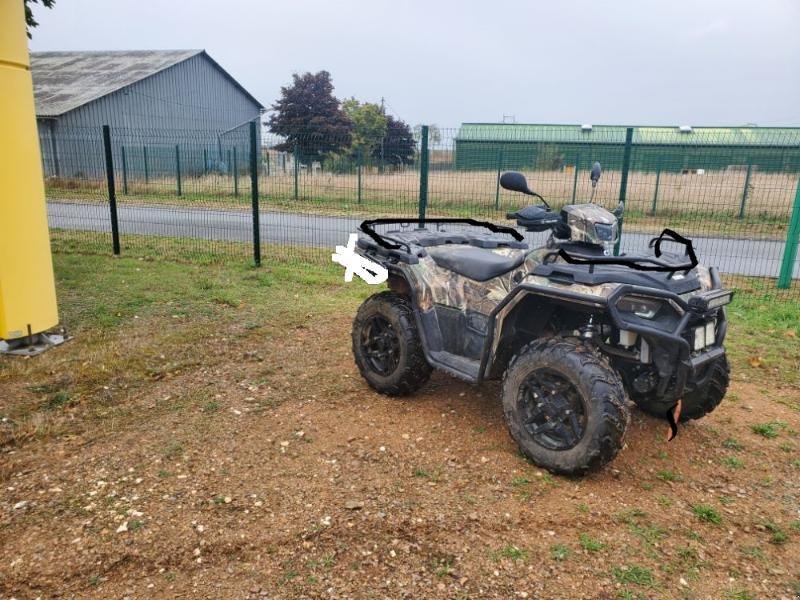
(565, 406)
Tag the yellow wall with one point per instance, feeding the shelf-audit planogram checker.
(27, 288)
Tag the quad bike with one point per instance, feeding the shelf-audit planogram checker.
(572, 329)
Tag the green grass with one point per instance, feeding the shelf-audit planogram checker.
(135, 525)
(778, 535)
(560, 552)
(590, 544)
(758, 336)
(211, 406)
(511, 552)
(733, 462)
(220, 272)
(768, 430)
(732, 444)
(634, 574)
(707, 513)
(753, 552)
(649, 534)
(136, 321)
(630, 516)
(667, 475)
(57, 400)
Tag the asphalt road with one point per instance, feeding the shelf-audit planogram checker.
(739, 256)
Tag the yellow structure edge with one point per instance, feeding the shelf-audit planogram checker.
(27, 288)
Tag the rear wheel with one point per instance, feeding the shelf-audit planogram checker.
(565, 406)
(387, 347)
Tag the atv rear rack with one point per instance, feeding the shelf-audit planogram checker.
(392, 243)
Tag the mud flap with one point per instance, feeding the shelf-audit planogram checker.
(673, 416)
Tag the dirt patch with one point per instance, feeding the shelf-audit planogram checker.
(274, 471)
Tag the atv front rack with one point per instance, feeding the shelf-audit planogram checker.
(640, 263)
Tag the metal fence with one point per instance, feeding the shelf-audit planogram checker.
(246, 195)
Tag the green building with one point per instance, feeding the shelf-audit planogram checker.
(482, 146)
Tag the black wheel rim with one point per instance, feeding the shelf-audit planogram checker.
(380, 345)
(553, 411)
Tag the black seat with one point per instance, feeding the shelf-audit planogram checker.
(475, 263)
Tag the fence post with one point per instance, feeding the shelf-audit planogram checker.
(655, 192)
(497, 185)
(623, 184)
(178, 167)
(146, 170)
(423, 172)
(792, 240)
(575, 179)
(744, 191)
(112, 192)
(254, 194)
(235, 174)
(358, 173)
(266, 156)
(296, 171)
(205, 161)
(124, 172)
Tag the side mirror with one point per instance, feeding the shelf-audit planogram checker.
(596, 171)
(515, 182)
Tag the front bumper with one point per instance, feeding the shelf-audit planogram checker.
(672, 342)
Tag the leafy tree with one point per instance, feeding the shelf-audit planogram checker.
(398, 147)
(30, 22)
(310, 117)
(369, 126)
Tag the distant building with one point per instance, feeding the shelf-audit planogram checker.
(518, 146)
(153, 100)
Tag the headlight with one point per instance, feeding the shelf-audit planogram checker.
(646, 308)
(711, 300)
(605, 232)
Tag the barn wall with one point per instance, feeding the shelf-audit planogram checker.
(189, 104)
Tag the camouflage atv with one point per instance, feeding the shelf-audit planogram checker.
(570, 328)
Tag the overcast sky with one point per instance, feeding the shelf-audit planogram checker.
(699, 62)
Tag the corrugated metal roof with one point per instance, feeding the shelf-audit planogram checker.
(604, 134)
(63, 81)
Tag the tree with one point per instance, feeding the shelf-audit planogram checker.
(369, 126)
(30, 22)
(398, 147)
(310, 117)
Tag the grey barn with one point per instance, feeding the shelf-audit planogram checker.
(161, 106)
